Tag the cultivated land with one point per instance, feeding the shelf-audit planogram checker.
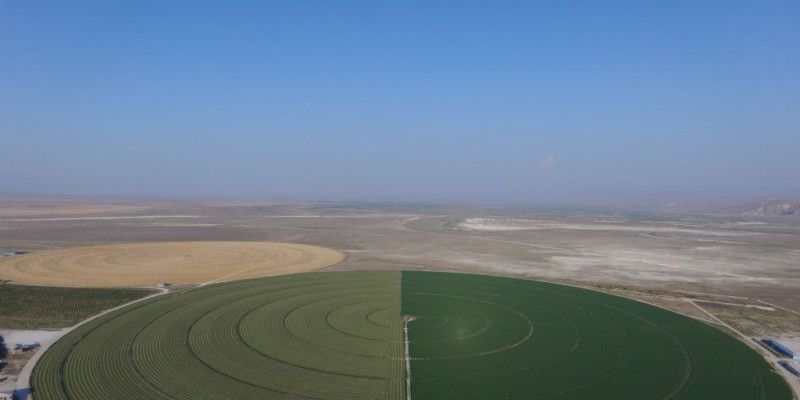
(338, 335)
(173, 262)
(43, 307)
(318, 335)
(481, 337)
(736, 273)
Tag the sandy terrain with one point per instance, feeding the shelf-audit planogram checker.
(750, 257)
(516, 224)
(43, 207)
(174, 262)
(27, 337)
(20, 211)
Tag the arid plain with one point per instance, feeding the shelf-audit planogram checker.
(737, 272)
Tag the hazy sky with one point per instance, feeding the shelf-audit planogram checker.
(529, 101)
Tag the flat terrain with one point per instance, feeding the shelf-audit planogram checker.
(43, 307)
(481, 337)
(737, 273)
(720, 255)
(749, 259)
(174, 262)
(337, 335)
(317, 335)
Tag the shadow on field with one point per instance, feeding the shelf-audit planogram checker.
(3, 350)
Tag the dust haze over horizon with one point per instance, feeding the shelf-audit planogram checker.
(459, 101)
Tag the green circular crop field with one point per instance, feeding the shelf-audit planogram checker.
(318, 335)
(482, 337)
(339, 335)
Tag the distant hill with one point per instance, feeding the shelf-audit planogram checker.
(788, 207)
(769, 208)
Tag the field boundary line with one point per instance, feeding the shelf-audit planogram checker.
(220, 279)
(406, 320)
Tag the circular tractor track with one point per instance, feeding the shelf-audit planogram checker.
(484, 337)
(309, 336)
(137, 264)
(339, 335)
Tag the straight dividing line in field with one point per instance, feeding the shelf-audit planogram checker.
(396, 364)
(394, 339)
(406, 320)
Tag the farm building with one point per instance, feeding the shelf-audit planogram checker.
(789, 348)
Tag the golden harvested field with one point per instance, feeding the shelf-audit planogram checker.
(174, 262)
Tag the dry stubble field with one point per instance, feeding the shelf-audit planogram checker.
(135, 264)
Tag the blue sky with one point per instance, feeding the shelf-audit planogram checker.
(523, 101)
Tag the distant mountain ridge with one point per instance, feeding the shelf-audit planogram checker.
(775, 208)
(787, 207)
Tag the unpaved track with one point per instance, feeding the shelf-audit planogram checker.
(139, 264)
(773, 359)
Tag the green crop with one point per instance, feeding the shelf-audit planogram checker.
(48, 307)
(481, 337)
(316, 335)
(338, 335)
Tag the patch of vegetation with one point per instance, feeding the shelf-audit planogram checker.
(338, 335)
(47, 307)
(481, 337)
(317, 335)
